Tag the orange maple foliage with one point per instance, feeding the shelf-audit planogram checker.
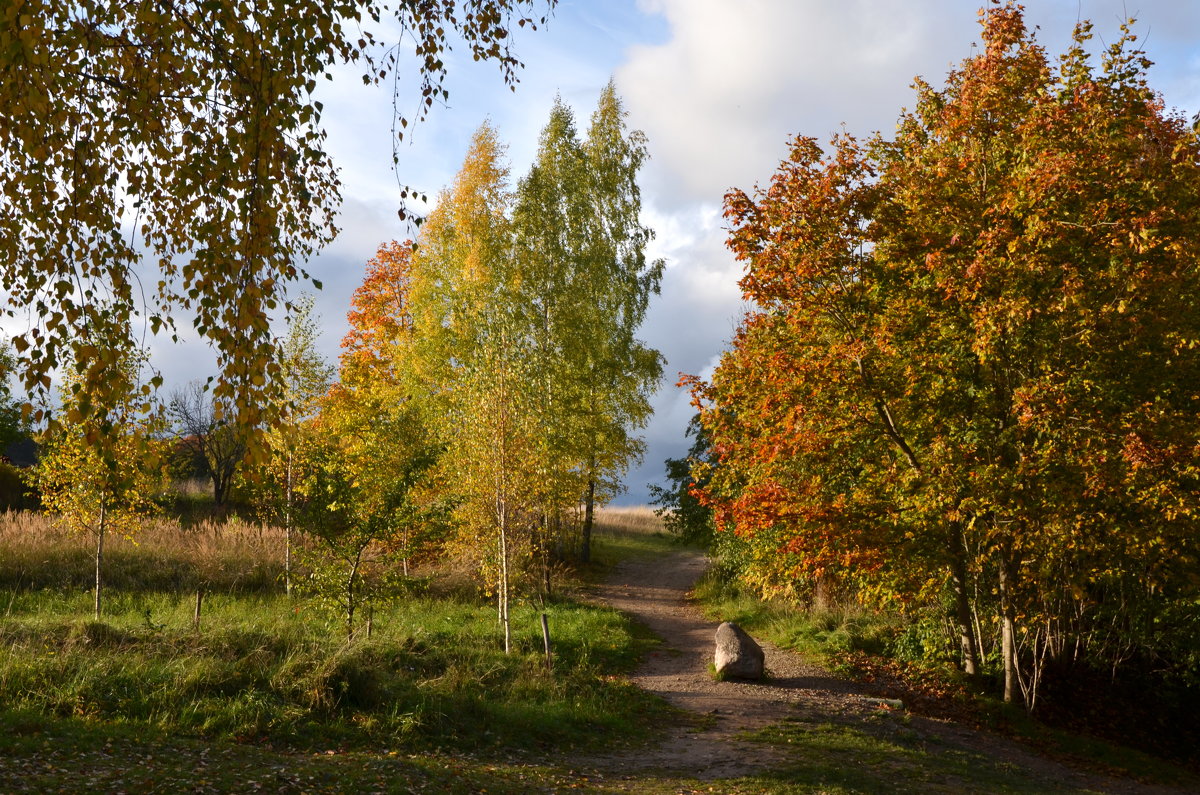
(379, 312)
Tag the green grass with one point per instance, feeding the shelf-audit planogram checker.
(267, 695)
(268, 668)
(888, 758)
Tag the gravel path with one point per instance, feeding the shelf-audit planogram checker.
(654, 592)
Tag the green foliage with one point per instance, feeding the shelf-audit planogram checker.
(515, 330)
(357, 470)
(15, 491)
(681, 509)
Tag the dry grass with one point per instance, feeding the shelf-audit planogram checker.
(35, 552)
(635, 519)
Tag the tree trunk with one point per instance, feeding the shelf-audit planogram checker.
(546, 591)
(962, 611)
(503, 595)
(350, 595)
(99, 559)
(589, 513)
(287, 530)
(1008, 640)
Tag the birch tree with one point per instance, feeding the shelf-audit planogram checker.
(98, 473)
(305, 378)
(470, 358)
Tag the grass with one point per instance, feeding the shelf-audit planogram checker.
(627, 532)
(266, 696)
(260, 669)
(265, 675)
(889, 758)
(164, 556)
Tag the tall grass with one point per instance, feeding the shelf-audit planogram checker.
(261, 665)
(163, 555)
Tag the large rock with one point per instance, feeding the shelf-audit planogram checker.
(737, 655)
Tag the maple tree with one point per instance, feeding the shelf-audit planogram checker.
(379, 313)
(185, 139)
(969, 379)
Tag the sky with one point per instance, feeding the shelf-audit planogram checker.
(719, 88)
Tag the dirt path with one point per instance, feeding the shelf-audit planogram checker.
(798, 693)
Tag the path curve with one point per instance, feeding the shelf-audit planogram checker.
(654, 591)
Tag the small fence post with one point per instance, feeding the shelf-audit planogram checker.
(199, 602)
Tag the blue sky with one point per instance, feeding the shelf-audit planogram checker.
(718, 87)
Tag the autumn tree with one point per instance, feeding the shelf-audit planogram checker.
(99, 473)
(379, 314)
(969, 363)
(357, 486)
(471, 359)
(376, 363)
(187, 136)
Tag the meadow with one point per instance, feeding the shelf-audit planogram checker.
(253, 667)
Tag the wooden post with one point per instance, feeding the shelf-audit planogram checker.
(546, 640)
(199, 602)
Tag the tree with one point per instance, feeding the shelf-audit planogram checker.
(681, 510)
(379, 314)
(206, 428)
(99, 474)
(187, 135)
(622, 371)
(553, 221)
(584, 277)
(362, 462)
(12, 422)
(968, 357)
(305, 380)
(470, 358)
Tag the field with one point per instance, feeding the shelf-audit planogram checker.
(261, 676)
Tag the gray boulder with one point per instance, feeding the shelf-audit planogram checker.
(737, 655)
